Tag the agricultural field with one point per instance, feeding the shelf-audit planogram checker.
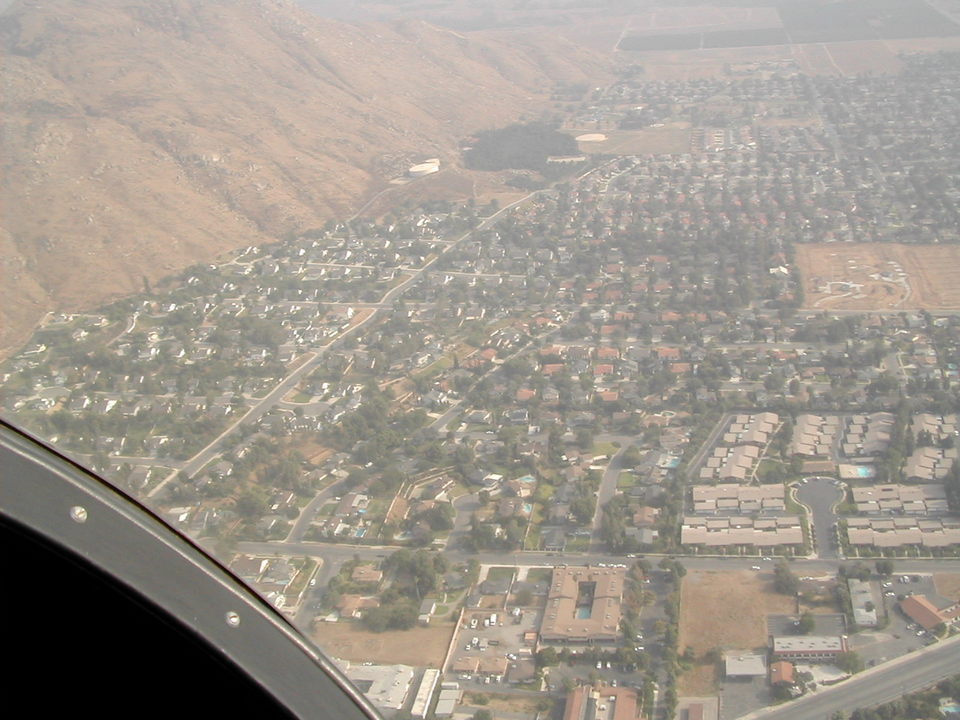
(880, 276)
(725, 610)
(421, 646)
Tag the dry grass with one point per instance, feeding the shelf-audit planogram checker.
(674, 138)
(421, 646)
(932, 276)
(866, 56)
(508, 703)
(725, 610)
(948, 585)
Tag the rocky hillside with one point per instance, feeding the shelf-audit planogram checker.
(141, 136)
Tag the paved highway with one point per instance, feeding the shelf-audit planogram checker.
(873, 687)
(335, 552)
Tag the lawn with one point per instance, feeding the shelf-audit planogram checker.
(500, 573)
(539, 575)
(602, 448)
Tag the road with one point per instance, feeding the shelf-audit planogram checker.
(309, 511)
(340, 552)
(873, 687)
(608, 488)
(694, 465)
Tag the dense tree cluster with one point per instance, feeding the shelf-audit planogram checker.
(518, 147)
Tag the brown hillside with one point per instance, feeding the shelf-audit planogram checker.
(141, 136)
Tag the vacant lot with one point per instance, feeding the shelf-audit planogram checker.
(948, 585)
(725, 610)
(880, 276)
(421, 646)
(509, 703)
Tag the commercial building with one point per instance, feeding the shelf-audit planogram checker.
(863, 602)
(602, 702)
(923, 612)
(428, 683)
(781, 673)
(744, 665)
(809, 648)
(386, 686)
(698, 708)
(583, 605)
(448, 700)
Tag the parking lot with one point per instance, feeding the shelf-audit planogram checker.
(504, 638)
(739, 697)
(900, 636)
(824, 624)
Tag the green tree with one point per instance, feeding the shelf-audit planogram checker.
(784, 581)
(849, 662)
(547, 657)
(884, 567)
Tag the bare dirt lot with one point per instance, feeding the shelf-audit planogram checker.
(702, 17)
(948, 585)
(421, 646)
(866, 56)
(726, 610)
(673, 138)
(880, 276)
(847, 58)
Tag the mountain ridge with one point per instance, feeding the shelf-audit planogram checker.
(142, 137)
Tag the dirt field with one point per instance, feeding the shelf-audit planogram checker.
(708, 63)
(651, 141)
(421, 646)
(725, 610)
(704, 18)
(815, 59)
(867, 56)
(948, 585)
(880, 276)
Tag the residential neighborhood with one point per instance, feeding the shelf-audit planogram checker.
(499, 444)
